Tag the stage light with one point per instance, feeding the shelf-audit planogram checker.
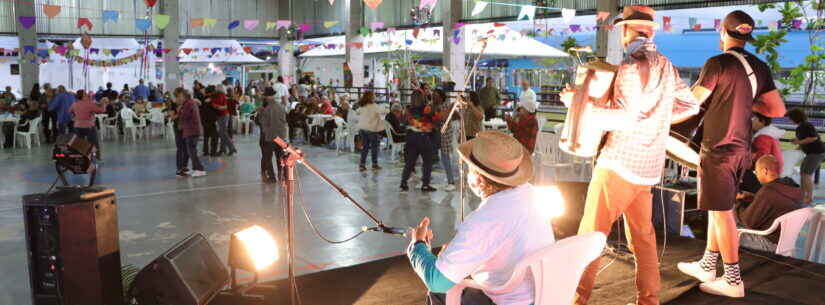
(549, 201)
(252, 249)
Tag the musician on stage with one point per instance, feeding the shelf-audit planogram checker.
(731, 86)
(507, 226)
(650, 96)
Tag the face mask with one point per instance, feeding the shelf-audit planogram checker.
(635, 45)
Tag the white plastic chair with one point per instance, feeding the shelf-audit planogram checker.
(395, 147)
(790, 223)
(29, 134)
(555, 271)
(246, 123)
(790, 158)
(156, 122)
(342, 131)
(353, 130)
(541, 121)
(814, 245)
(127, 115)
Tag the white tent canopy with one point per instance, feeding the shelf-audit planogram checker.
(9, 42)
(429, 40)
(199, 54)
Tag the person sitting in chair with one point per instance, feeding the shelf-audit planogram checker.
(777, 197)
(507, 226)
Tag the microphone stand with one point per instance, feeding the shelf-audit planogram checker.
(289, 161)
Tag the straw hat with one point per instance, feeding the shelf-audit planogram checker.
(638, 15)
(498, 157)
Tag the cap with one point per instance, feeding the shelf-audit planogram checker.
(739, 25)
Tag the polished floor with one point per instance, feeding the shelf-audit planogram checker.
(157, 209)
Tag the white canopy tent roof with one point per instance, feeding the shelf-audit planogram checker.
(200, 54)
(503, 43)
(9, 42)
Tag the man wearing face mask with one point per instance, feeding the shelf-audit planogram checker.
(507, 226)
(649, 97)
(731, 87)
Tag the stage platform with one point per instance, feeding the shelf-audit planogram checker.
(768, 279)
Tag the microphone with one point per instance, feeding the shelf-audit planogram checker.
(385, 229)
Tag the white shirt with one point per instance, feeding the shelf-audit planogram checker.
(527, 96)
(280, 91)
(505, 228)
(371, 117)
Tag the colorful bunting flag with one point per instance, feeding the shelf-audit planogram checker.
(364, 31)
(331, 2)
(430, 3)
(84, 22)
(602, 16)
(110, 15)
(196, 22)
(372, 3)
(305, 27)
(717, 23)
(391, 30)
(691, 22)
(150, 3)
(209, 21)
(456, 36)
(797, 24)
(270, 25)
(143, 24)
(329, 24)
(51, 10)
(234, 24)
(115, 52)
(479, 7)
(773, 25)
(575, 28)
(28, 49)
(377, 25)
(186, 51)
(527, 11)
(567, 15)
(26, 21)
(250, 24)
(161, 21)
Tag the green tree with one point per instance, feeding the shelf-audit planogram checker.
(569, 43)
(808, 76)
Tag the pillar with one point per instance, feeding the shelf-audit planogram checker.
(286, 59)
(608, 44)
(29, 71)
(453, 55)
(171, 40)
(355, 55)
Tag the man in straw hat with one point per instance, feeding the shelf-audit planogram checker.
(648, 96)
(731, 86)
(507, 226)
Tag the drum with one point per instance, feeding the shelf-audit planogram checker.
(683, 143)
(582, 133)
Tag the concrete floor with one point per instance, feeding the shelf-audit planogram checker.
(157, 209)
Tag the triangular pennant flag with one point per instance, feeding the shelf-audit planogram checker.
(115, 52)
(26, 21)
(84, 21)
(377, 25)
(28, 49)
(270, 25)
(196, 22)
(94, 50)
(437, 32)
(329, 24)
(797, 24)
(575, 28)
(372, 3)
(480, 6)
(161, 21)
(227, 50)
(666, 19)
(284, 24)
(364, 31)
(167, 50)
(717, 23)
(527, 11)
(107, 52)
(234, 24)
(602, 15)
(250, 24)
(304, 27)
(209, 21)
(456, 36)
(186, 50)
(331, 2)
(567, 15)
(691, 22)
(773, 25)
(498, 24)
(759, 22)
(150, 3)
(247, 49)
(391, 30)
(143, 24)
(430, 3)
(214, 50)
(110, 15)
(51, 10)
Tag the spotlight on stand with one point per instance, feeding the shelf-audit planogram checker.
(252, 249)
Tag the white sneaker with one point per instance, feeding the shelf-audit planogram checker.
(721, 287)
(693, 269)
(197, 174)
(449, 188)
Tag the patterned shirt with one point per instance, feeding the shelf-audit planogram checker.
(640, 122)
(420, 119)
(525, 131)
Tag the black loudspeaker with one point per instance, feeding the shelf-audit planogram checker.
(190, 273)
(73, 247)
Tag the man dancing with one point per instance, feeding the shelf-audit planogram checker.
(650, 97)
(731, 86)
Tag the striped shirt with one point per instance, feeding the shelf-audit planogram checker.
(640, 122)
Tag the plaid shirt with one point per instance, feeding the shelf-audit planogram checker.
(640, 123)
(524, 130)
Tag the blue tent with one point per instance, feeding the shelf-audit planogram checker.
(692, 49)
